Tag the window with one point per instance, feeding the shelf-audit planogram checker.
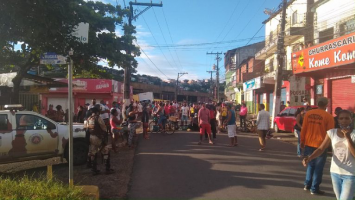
(32, 122)
(294, 18)
(292, 112)
(3, 123)
(326, 35)
(347, 27)
(285, 112)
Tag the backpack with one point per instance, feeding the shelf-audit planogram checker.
(94, 126)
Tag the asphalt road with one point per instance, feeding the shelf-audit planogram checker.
(167, 167)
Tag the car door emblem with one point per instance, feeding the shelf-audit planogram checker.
(36, 138)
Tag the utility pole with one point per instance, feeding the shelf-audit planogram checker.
(127, 72)
(280, 59)
(211, 87)
(177, 83)
(217, 71)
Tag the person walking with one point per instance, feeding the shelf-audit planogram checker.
(263, 126)
(315, 125)
(224, 113)
(162, 118)
(342, 168)
(213, 121)
(145, 121)
(231, 126)
(132, 124)
(243, 115)
(115, 122)
(184, 114)
(299, 121)
(204, 123)
(97, 130)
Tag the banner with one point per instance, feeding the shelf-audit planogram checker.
(333, 53)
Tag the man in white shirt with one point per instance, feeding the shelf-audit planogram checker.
(140, 107)
(263, 125)
(104, 114)
(184, 114)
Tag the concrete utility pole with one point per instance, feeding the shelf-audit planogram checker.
(177, 83)
(211, 87)
(280, 59)
(217, 71)
(127, 72)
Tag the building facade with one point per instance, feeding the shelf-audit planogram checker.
(297, 31)
(330, 61)
(232, 60)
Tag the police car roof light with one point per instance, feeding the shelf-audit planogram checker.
(13, 107)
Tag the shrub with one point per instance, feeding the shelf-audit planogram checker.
(27, 188)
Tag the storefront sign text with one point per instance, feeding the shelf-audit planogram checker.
(337, 52)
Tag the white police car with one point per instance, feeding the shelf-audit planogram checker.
(27, 135)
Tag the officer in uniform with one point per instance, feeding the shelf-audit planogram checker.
(98, 144)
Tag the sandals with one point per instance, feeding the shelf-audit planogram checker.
(261, 149)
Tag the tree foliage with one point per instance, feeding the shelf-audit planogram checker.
(46, 26)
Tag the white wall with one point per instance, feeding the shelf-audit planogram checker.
(300, 6)
(332, 14)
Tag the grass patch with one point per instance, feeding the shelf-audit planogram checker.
(37, 188)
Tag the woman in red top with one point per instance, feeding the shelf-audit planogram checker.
(167, 110)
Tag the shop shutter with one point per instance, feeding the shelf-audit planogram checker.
(343, 94)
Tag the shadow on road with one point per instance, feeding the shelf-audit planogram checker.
(176, 167)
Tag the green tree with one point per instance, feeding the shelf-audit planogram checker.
(46, 26)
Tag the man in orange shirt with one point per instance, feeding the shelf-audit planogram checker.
(315, 125)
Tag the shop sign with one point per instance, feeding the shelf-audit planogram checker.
(252, 84)
(336, 52)
(249, 85)
(87, 85)
(352, 79)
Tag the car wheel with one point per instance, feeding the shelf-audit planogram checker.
(295, 132)
(277, 130)
(81, 149)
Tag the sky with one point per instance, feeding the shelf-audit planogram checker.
(176, 37)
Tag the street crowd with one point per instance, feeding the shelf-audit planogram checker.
(317, 131)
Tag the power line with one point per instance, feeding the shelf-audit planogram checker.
(302, 29)
(156, 42)
(152, 61)
(230, 17)
(171, 38)
(250, 19)
(164, 39)
(236, 21)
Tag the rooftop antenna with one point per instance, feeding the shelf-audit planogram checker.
(269, 11)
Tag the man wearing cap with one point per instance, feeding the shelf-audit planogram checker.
(315, 125)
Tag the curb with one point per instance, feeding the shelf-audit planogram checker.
(91, 191)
